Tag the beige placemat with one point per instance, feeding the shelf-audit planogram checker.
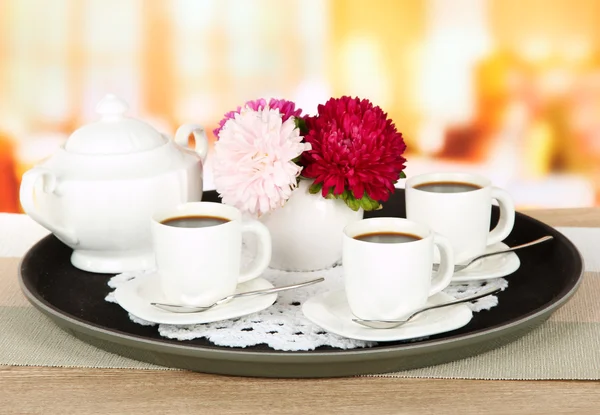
(29, 338)
(565, 347)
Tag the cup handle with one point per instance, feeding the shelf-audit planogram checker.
(27, 198)
(507, 216)
(443, 276)
(263, 251)
(183, 134)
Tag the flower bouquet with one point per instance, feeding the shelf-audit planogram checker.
(306, 177)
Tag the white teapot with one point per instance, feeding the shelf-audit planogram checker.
(98, 192)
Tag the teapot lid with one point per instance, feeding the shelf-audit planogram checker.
(114, 133)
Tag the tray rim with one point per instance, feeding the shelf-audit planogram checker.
(329, 356)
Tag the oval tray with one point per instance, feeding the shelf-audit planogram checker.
(549, 275)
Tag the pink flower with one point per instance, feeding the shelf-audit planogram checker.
(356, 151)
(253, 166)
(286, 108)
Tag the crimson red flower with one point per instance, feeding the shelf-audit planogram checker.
(356, 152)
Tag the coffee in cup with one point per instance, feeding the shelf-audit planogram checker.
(387, 237)
(194, 221)
(447, 187)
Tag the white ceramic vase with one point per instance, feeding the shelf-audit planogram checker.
(307, 231)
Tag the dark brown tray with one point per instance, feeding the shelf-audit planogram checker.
(549, 275)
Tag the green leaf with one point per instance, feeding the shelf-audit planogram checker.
(369, 204)
(353, 203)
(301, 125)
(315, 188)
(365, 202)
(330, 194)
(373, 205)
(402, 175)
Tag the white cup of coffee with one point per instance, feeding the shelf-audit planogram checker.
(198, 248)
(458, 206)
(388, 266)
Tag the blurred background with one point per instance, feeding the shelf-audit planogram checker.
(506, 88)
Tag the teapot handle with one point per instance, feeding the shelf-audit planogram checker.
(182, 136)
(27, 196)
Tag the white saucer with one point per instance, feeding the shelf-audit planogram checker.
(495, 266)
(330, 310)
(136, 295)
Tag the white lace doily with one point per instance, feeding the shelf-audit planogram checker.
(283, 325)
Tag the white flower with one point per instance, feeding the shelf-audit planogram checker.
(253, 166)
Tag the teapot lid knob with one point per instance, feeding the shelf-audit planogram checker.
(111, 107)
(114, 133)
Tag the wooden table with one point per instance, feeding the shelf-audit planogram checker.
(33, 390)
